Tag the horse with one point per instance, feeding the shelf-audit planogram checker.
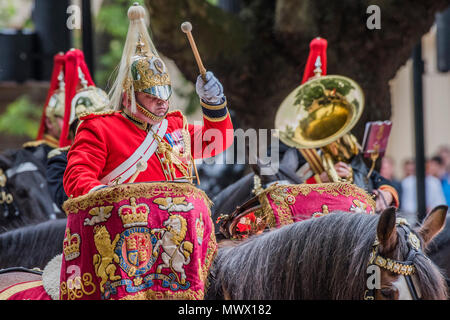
(241, 191)
(26, 181)
(439, 250)
(328, 258)
(32, 246)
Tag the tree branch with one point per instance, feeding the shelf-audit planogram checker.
(259, 55)
(220, 37)
(371, 57)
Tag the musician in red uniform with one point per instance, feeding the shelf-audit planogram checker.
(355, 169)
(141, 141)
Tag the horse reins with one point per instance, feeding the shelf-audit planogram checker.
(405, 268)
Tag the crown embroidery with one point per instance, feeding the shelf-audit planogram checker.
(134, 214)
(71, 245)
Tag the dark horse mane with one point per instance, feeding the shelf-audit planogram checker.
(320, 258)
(43, 242)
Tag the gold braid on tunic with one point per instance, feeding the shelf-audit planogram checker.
(171, 158)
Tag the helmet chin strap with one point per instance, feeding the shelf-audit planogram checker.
(150, 114)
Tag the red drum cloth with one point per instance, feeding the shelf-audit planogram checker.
(138, 241)
(29, 290)
(286, 204)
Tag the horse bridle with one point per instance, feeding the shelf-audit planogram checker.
(405, 268)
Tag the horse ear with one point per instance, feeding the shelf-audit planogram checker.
(386, 231)
(256, 169)
(433, 224)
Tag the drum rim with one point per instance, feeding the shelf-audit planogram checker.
(122, 191)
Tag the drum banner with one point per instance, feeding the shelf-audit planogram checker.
(285, 204)
(138, 241)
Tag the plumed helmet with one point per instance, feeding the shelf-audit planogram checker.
(150, 74)
(141, 68)
(55, 106)
(56, 103)
(88, 100)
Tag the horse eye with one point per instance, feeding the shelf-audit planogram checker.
(387, 293)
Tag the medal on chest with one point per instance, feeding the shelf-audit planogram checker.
(174, 153)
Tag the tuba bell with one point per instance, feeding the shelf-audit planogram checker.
(320, 114)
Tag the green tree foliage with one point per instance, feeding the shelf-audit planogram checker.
(112, 24)
(21, 118)
(7, 11)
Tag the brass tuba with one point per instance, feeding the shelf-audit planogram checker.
(320, 114)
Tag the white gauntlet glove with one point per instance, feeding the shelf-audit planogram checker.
(210, 91)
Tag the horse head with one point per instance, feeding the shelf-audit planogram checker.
(405, 272)
(333, 257)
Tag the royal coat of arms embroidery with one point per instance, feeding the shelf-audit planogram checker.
(143, 241)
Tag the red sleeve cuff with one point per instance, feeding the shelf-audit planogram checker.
(392, 191)
(311, 180)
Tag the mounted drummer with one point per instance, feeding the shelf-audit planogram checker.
(159, 236)
(142, 140)
(52, 118)
(316, 119)
(83, 97)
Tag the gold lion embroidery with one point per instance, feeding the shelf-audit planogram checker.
(177, 251)
(103, 261)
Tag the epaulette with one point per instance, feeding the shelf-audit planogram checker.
(91, 115)
(175, 113)
(34, 143)
(57, 152)
(178, 114)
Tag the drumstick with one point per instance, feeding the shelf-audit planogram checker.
(186, 27)
(140, 167)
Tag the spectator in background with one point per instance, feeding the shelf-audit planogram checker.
(435, 167)
(444, 154)
(409, 168)
(387, 171)
(434, 194)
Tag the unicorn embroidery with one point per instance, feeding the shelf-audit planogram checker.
(176, 251)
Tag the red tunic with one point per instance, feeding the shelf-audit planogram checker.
(103, 142)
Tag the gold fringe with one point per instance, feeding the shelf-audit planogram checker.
(138, 190)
